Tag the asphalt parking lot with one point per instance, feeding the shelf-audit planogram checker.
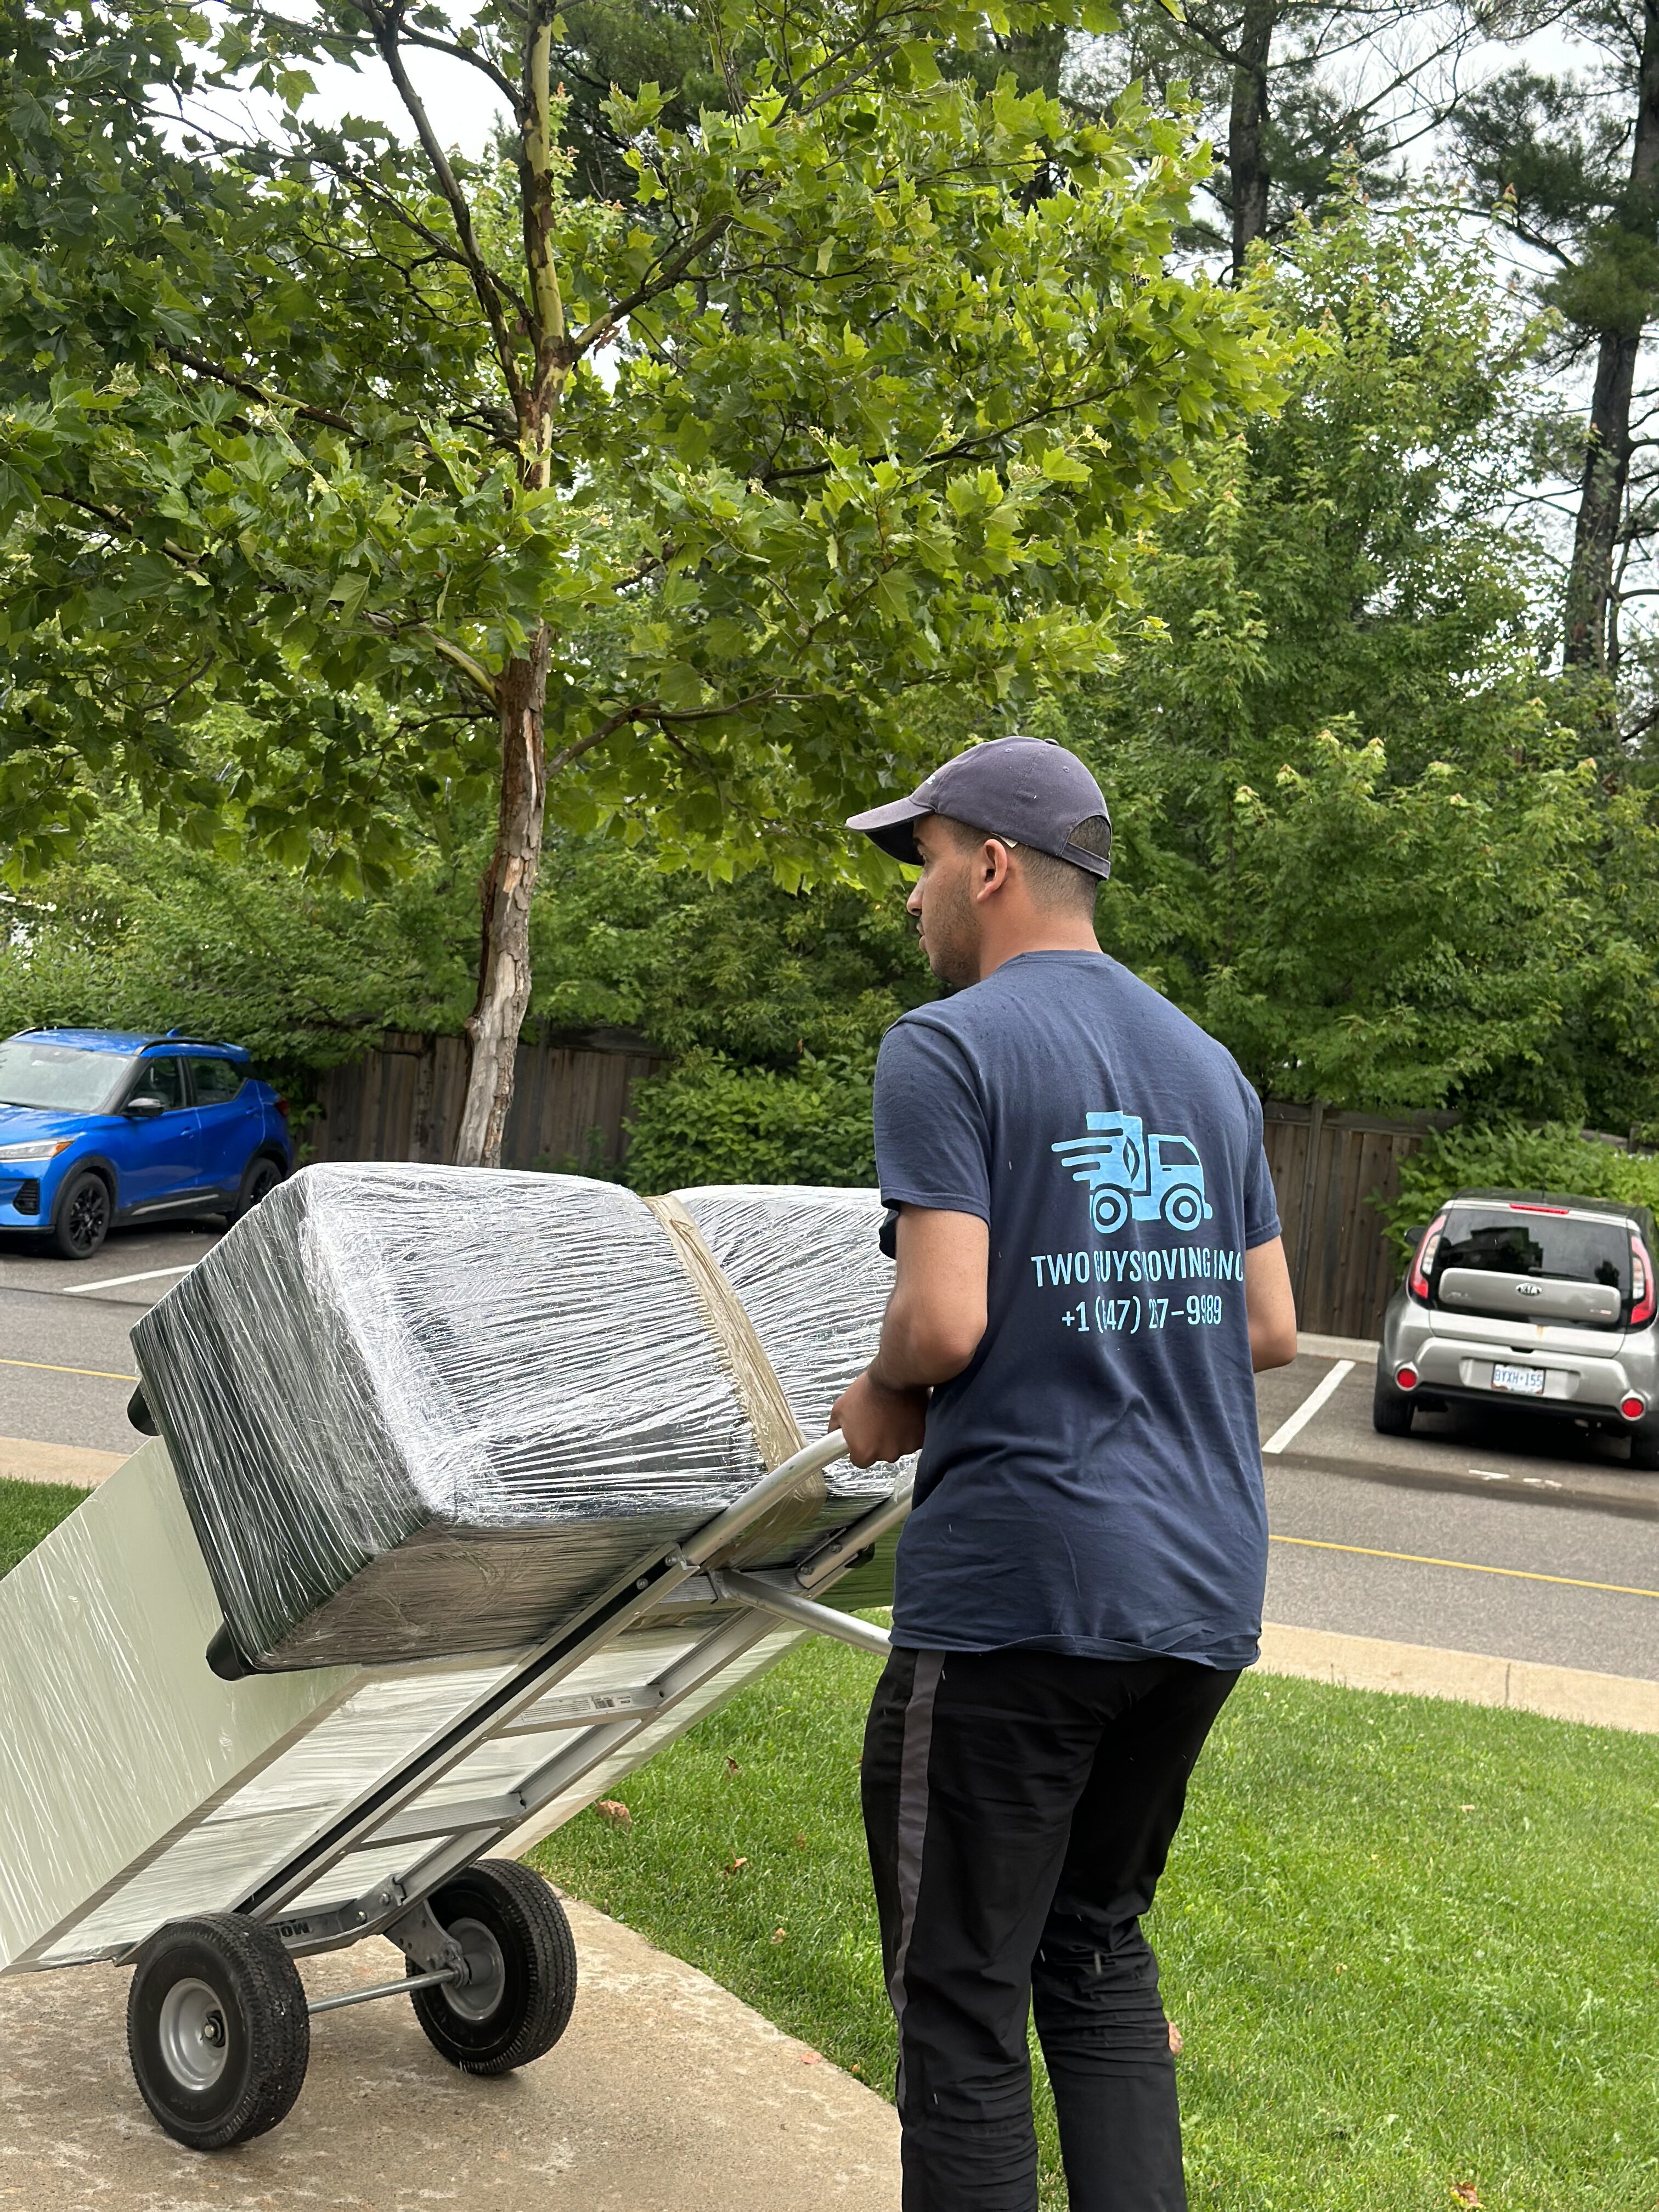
(66, 1369)
(1461, 1450)
(1529, 1540)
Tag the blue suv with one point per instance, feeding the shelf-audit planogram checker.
(98, 1126)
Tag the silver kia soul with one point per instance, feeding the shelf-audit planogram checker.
(1518, 1298)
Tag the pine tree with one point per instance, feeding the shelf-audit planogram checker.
(1574, 160)
(1291, 91)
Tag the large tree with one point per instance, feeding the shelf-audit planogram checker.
(340, 466)
(1360, 838)
(1574, 159)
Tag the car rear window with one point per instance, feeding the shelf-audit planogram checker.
(1517, 1240)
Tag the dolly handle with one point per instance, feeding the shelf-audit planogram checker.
(714, 1535)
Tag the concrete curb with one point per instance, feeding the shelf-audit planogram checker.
(1471, 1678)
(21, 1461)
(1361, 1349)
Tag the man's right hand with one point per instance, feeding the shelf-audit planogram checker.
(879, 1423)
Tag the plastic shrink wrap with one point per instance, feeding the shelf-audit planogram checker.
(116, 1735)
(417, 1411)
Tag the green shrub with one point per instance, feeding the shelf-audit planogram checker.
(705, 1120)
(1509, 1156)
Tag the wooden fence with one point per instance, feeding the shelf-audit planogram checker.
(1328, 1170)
(403, 1101)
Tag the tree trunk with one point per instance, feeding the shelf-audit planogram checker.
(509, 884)
(1606, 473)
(1247, 160)
(1600, 504)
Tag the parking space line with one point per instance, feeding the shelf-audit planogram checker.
(46, 1367)
(113, 1282)
(1465, 1566)
(1309, 1406)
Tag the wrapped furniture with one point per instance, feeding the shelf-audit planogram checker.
(420, 1410)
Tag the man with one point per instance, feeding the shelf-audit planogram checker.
(1089, 1268)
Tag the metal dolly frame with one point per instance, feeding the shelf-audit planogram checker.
(218, 2018)
(687, 1572)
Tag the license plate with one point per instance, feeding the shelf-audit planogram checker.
(1528, 1381)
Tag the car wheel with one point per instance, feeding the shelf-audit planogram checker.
(1645, 1449)
(82, 1221)
(259, 1178)
(1391, 1406)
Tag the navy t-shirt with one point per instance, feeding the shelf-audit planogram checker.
(1092, 1483)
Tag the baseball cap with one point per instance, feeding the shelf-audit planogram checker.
(1029, 791)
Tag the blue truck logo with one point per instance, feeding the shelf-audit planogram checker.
(1133, 1176)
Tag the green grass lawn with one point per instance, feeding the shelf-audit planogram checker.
(1410, 1946)
(29, 1511)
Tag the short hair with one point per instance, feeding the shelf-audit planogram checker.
(1059, 885)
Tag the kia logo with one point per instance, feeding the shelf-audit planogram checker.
(1529, 1290)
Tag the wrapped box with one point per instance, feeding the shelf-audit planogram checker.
(417, 1411)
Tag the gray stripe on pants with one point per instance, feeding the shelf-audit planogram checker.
(913, 1824)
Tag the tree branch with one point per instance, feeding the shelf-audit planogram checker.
(376, 195)
(474, 58)
(114, 519)
(220, 374)
(459, 658)
(669, 274)
(388, 32)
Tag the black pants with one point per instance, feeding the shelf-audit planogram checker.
(1019, 1808)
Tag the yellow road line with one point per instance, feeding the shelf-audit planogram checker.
(1468, 1566)
(45, 1367)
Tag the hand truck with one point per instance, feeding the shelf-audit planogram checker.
(215, 1832)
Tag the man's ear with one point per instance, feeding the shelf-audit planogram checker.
(993, 867)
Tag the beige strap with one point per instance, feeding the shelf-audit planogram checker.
(776, 1432)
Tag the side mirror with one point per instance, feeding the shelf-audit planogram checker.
(145, 1107)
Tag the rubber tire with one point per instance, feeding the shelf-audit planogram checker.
(90, 1186)
(1391, 1408)
(1645, 1449)
(259, 1178)
(267, 2028)
(539, 1953)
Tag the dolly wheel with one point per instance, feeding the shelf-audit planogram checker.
(518, 2001)
(217, 2029)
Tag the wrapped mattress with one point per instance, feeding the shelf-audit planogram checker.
(419, 1410)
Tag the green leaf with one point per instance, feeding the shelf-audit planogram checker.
(1058, 466)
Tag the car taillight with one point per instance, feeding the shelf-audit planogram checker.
(1405, 1377)
(1632, 1407)
(1642, 1285)
(281, 1107)
(1418, 1283)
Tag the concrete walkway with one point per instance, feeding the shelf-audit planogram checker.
(665, 2095)
(22, 1460)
